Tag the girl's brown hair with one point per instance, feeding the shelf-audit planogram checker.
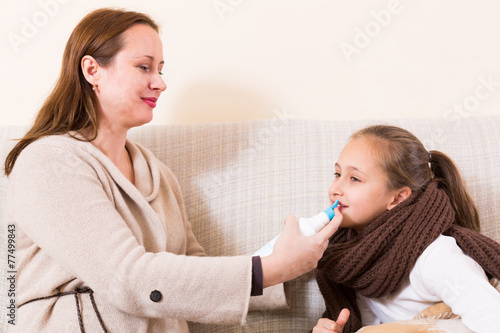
(72, 105)
(407, 163)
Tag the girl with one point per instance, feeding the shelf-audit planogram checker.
(409, 238)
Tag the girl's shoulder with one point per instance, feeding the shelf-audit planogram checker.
(442, 263)
(443, 254)
(441, 243)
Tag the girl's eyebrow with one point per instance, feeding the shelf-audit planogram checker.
(351, 168)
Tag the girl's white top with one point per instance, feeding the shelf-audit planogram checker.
(442, 273)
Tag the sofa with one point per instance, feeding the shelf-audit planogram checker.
(241, 179)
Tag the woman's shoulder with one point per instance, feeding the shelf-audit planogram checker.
(44, 148)
(53, 143)
(56, 152)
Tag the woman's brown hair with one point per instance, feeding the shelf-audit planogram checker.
(407, 163)
(72, 105)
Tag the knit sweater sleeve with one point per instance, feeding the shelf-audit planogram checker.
(446, 273)
(59, 201)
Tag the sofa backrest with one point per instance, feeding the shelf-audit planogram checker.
(241, 179)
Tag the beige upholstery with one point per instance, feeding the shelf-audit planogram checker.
(240, 180)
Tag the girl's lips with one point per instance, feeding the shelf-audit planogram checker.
(151, 101)
(341, 206)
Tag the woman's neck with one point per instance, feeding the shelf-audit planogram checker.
(111, 142)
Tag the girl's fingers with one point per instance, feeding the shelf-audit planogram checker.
(324, 325)
(343, 317)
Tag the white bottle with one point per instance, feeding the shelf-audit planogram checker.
(308, 226)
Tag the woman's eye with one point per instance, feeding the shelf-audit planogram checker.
(336, 175)
(160, 72)
(144, 68)
(354, 179)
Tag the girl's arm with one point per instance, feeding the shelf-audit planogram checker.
(367, 316)
(447, 274)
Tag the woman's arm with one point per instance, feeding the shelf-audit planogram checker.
(59, 201)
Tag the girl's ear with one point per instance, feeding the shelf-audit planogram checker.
(90, 69)
(399, 196)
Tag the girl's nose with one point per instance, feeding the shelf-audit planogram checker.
(335, 189)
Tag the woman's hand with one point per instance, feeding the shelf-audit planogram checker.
(326, 325)
(295, 254)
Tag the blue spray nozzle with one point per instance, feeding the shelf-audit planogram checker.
(329, 211)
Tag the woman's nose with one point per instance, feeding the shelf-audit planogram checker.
(158, 84)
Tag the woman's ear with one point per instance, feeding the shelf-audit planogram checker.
(90, 69)
(399, 196)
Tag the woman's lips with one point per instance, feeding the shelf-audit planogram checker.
(151, 101)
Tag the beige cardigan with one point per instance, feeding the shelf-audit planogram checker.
(80, 222)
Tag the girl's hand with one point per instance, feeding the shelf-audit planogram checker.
(326, 325)
(295, 254)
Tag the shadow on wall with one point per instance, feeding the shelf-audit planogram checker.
(217, 101)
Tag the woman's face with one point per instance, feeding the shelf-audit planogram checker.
(360, 185)
(129, 88)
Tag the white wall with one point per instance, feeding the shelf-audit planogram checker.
(236, 59)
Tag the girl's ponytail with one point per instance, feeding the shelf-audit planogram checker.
(447, 175)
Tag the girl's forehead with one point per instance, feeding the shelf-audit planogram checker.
(361, 146)
(361, 154)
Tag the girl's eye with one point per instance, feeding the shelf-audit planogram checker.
(354, 179)
(160, 72)
(336, 175)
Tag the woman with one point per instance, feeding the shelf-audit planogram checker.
(97, 214)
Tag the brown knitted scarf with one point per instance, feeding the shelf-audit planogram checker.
(375, 262)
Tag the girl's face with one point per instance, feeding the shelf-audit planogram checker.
(129, 88)
(360, 185)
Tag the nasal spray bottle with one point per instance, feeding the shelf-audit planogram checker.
(308, 226)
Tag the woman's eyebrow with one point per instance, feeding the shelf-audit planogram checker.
(150, 57)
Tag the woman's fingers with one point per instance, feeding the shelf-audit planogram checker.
(331, 227)
(295, 254)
